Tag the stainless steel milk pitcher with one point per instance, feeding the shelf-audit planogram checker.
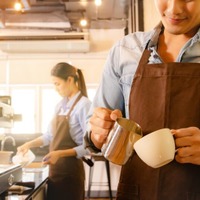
(119, 145)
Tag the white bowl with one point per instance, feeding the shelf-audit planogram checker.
(25, 159)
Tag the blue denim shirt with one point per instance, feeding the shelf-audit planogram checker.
(122, 62)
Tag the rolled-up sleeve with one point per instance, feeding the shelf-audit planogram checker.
(47, 137)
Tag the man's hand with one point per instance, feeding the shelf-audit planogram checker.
(101, 123)
(188, 145)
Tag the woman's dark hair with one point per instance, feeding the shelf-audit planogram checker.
(64, 70)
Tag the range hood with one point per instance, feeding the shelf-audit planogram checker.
(49, 32)
(43, 41)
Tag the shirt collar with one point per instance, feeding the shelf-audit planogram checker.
(190, 49)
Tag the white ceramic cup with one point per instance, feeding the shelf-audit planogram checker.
(157, 148)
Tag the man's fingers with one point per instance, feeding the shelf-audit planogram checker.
(115, 114)
(102, 113)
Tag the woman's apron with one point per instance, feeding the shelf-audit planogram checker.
(66, 177)
(163, 95)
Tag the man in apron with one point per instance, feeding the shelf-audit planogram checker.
(155, 81)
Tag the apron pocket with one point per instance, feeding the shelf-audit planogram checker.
(127, 192)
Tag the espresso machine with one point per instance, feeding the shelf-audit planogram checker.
(7, 115)
(9, 173)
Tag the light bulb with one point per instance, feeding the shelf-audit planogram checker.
(83, 22)
(98, 2)
(18, 6)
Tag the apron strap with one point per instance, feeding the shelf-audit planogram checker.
(145, 56)
(77, 99)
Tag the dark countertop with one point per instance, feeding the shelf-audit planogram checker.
(33, 173)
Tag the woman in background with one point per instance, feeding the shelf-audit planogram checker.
(65, 135)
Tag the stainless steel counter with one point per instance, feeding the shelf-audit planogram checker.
(9, 175)
(34, 173)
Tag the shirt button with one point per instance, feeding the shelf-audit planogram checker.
(155, 56)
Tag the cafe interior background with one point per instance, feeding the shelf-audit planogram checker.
(45, 32)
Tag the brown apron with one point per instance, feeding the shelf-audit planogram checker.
(162, 95)
(66, 177)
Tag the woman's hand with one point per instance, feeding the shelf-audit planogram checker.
(101, 123)
(51, 158)
(188, 145)
(23, 149)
